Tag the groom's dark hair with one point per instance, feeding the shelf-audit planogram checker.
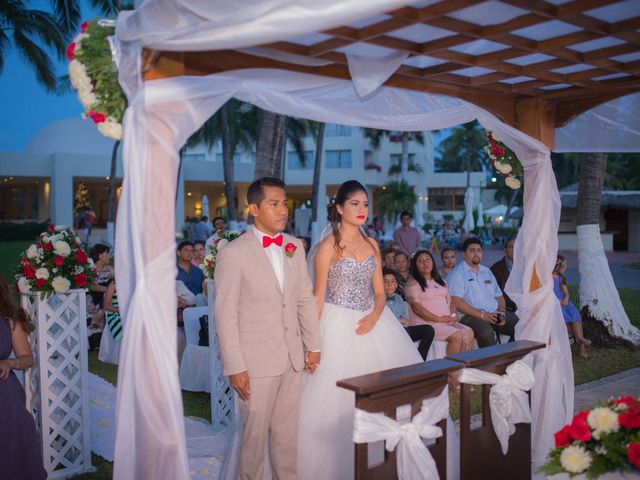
(255, 193)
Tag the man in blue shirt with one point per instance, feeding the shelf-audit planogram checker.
(191, 276)
(478, 297)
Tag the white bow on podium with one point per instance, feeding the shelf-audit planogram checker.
(508, 399)
(414, 461)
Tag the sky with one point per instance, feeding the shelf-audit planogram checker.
(26, 106)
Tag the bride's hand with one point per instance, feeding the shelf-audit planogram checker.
(366, 324)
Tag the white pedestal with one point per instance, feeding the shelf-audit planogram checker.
(57, 387)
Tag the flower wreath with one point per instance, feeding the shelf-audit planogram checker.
(504, 161)
(94, 76)
(209, 265)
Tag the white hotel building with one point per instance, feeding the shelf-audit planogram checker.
(39, 183)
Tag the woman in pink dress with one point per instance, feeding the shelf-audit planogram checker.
(430, 302)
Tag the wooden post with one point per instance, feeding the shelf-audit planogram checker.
(480, 453)
(384, 392)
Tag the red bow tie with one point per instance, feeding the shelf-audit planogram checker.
(266, 241)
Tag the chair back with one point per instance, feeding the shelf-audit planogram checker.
(191, 317)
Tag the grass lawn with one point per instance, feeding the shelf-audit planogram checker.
(635, 266)
(9, 255)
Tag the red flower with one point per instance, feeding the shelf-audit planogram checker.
(71, 51)
(84, 26)
(40, 282)
(97, 117)
(634, 454)
(629, 401)
(630, 418)
(496, 150)
(81, 257)
(23, 261)
(51, 229)
(290, 250)
(29, 272)
(579, 430)
(16, 288)
(48, 246)
(58, 260)
(80, 279)
(563, 438)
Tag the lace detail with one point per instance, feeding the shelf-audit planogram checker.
(349, 283)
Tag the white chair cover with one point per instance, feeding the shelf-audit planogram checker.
(200, 300)
(109, 351)
(508, 399)
(196, 360)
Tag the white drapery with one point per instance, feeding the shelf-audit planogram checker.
(161, 116)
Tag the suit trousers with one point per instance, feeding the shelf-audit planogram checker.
(486, 333)
(272, 411)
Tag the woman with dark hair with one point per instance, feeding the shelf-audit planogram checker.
(100, 254)
(430, 302)
(19, 446)
(359, 336)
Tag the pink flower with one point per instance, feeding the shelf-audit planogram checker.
(71, 51)
(58, 260)
(84, 26)
(97, 117)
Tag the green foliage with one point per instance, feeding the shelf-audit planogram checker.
(94, 53)
(21, 231)
(413, 167)
(622, 172)
(463, 150)
(394, 197)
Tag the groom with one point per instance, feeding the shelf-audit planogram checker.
(268, 329)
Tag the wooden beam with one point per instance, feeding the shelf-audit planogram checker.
(536, 117)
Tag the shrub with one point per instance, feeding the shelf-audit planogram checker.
(21, 231)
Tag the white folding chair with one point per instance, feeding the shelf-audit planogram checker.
(194, 369)
(109, 351)
(200, 300)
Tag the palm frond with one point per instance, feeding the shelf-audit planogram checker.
(67, 15)
(38, 59)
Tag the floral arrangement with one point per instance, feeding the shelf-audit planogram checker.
(209, 265)
(94, 76)
(604, 439)
(504, 161)
(55, 263)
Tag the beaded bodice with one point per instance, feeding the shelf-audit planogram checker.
(349, 283)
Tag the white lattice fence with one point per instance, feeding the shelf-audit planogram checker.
(57, 386)
(222, 395)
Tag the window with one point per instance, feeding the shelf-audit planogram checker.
(296, 164)
(446, 199)
(395, 158)
(193, 157)
(338, 158)
(333, 130)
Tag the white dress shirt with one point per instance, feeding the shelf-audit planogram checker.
(274, 254)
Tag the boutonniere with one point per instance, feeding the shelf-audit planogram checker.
(290, 250)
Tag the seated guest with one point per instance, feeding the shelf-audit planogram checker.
(401, 263)
(100, 254)
(198, 253)
(448, 257)
(20, 452)
(191, 276)
(398, 306)
(186, 299)
(501, 270)
(572, 317)
(478, 297)
(406, 238)
(389, 258)
(430, 302)
(219, 227)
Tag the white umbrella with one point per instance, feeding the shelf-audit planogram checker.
(205, 206)
(480, 214)
(468, 224)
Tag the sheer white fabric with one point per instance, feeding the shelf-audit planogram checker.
(161, 116)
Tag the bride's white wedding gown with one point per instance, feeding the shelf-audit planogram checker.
(325, 446)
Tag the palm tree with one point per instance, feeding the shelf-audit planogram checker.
(463, 150)
(607, 322)
(270, 133)
(395, 197)
(234, 126)
(376, 137)
(317, 129)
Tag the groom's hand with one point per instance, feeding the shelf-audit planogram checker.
(311, 361)
(240, 383)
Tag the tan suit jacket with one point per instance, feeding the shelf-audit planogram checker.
(261, 327)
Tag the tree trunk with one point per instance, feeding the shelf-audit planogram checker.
(317, 168)
(605, 321)
(111, 202)
(281, 142)
(404, 158)
(227, 162)
(467, 141)
(268, 144)
(512, 201)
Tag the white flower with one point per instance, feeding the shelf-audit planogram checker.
(60, 228)
(54, 270)
(90, 263)
(44, 237)
(209, 258)
(40, 252)
(110, 128)
(234, 233)
(78, 270)
(42, 273)
(600, 450)
(60, 285)
(87, 98)
(61, 248)
(495, 137)
(23, 285)
(32, 251)
(603, 420)
(78, 76)
(512, 182)
(575, 459)
(222, 243)
(503, 167)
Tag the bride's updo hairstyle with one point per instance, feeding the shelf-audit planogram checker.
(347, 190)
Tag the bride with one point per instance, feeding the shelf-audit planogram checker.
(359, 336)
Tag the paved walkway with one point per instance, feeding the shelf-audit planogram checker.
(623, 383)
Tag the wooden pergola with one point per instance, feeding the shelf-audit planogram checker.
(541, 66)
